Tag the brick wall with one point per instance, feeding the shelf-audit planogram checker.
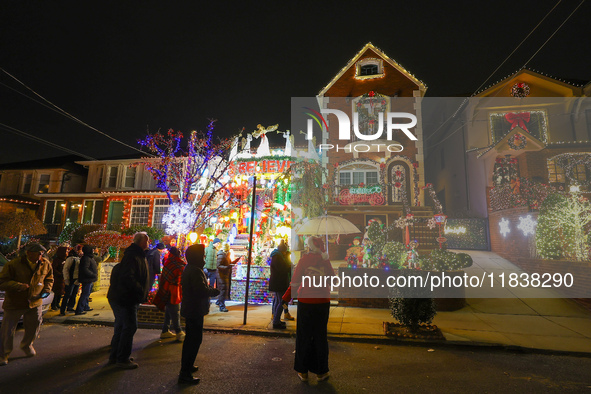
(150, 315)
(514, 245)
(580, 270)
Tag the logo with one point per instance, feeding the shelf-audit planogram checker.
(392, 123)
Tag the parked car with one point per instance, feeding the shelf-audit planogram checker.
(46, 301)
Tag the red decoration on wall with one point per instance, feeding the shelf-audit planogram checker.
(519, 119)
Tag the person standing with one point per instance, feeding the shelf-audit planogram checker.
(279, 282)
(87, 275)
(224, 267)
(313, 310)
(211, 267)
(154, 256)
(195, 305)
(26, 280)
(128, 288)
(58, 276)
(70, 274)
(169, 295)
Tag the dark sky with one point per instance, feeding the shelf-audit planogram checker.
(126, 66)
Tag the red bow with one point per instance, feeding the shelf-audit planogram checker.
(518, 120)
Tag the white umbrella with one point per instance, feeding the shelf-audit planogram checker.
(327, 225)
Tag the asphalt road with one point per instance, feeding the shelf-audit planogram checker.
(73, 358)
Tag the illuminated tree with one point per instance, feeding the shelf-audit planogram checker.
(563, 227)
(20, 224)
(194, 179)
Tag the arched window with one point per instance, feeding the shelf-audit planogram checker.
(368, 69)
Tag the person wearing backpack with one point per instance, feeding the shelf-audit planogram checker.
(70, 273)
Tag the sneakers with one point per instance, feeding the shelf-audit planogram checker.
(180, 337)
(280, 326)
(89, 309)
(323, 377)
(29, 351)
(166, 335)
(81, 313)
(303, 376)
(224, 309)
(288, 316)
(127, 365)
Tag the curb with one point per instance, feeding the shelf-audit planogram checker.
(373, 339)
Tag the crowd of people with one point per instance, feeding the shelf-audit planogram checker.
(186, 287)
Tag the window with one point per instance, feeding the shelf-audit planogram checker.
(368, 69)
(112, 179)
(27, 179)
(130, 177)
(533, 122)
(54, 211)
(43, 183)
(140, 211)
(555, 172)
(358, 173)
(101, 171)
(160, 208)
(93, 210)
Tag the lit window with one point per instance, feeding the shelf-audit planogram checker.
(54, 211)
(358, 173)
(555, 172)
(140, 211)
(43, 184)
(93, 210)
(160, 208)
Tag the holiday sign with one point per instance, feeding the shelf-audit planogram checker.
(360, 195)
(260, 167)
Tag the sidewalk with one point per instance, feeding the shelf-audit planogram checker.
(542, 324)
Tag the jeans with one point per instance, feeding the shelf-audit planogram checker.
(172, 318)
(125, 328)
(311, 338)
(69, 299)
(211, 277)
(193, 339)
(83, 300)
(277, 307)
(223, 283)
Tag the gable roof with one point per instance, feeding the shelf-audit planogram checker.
(570, 84)
(370, 46)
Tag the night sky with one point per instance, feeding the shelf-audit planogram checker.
(126, 67)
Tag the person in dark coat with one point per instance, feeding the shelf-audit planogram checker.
(224, 267)
(58, 276)
(128, 288)
(195, 305)
(87, 275)
(279, 282)
(154, 256)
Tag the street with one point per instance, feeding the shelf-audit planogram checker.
(73, 358)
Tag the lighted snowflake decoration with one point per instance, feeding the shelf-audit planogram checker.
(180, 218)
(401, 223)
(527, 225)
(432, 223)
(504, 227)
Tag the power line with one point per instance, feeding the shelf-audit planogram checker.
(41, 140)
(493, 73)
(68, 115)
(508, 79)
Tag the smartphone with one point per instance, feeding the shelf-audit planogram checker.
(45, 295)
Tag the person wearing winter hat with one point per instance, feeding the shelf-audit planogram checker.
(26, 279)
(313, 310)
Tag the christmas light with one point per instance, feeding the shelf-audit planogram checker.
(527, 225)
(504, 227)
(180, 218)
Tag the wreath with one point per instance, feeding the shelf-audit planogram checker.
(520, 89)
(517, 142)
